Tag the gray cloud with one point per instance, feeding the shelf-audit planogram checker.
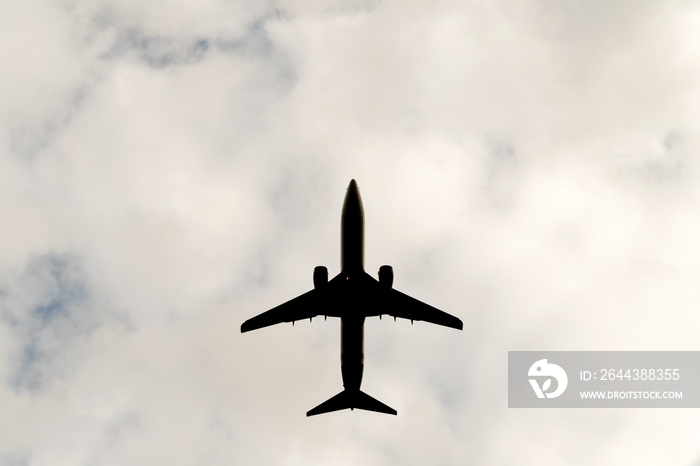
(157, 52)
(44, 308)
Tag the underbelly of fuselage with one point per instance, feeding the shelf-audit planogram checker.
(352, 352)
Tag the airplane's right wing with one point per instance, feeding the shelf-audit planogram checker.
(306, 306)
(302, 307)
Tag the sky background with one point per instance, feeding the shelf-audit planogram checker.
(169, 169)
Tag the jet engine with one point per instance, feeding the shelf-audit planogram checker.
(386, 275)
(320, 276)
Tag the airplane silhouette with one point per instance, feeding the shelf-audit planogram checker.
(352, 295)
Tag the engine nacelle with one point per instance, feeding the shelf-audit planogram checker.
(386, 276)
(320, 276)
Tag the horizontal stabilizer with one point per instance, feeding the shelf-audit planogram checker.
(351, 399)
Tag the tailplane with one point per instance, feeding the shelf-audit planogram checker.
(351, 399)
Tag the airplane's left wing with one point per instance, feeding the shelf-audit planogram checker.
(396, 304)
(402, 305)
(302, 307)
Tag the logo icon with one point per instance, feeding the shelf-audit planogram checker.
(542, 369)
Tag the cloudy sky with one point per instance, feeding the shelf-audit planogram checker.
(169, 169)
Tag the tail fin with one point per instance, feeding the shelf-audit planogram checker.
(351, 399)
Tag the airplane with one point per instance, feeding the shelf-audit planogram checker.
(352, 295)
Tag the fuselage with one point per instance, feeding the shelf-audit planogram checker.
(352, 248)
(352, 233)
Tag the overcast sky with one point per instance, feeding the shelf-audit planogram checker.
(169, 169)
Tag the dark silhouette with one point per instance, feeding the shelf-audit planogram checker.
(352, 295)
